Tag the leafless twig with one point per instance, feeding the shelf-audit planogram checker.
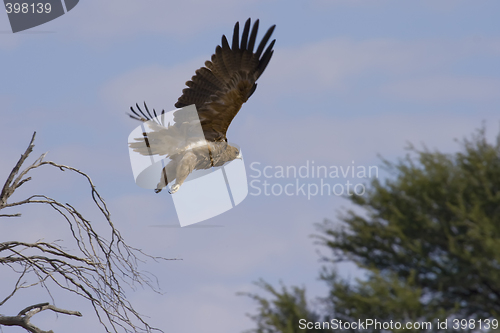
(97, 272)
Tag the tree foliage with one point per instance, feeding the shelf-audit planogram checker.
(283, 312)
(427, 236)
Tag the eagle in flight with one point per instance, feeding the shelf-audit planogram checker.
(218, 91)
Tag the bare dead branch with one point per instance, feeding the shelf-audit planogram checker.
(18, 285)
(10, 215)
(24, 316)
(9, 188)
(31, 310)
(98, 271)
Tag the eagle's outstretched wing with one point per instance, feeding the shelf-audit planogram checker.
(164, 138)
(226, 82)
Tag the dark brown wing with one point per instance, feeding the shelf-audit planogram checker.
(226, 82)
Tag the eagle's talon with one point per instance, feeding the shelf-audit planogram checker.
(174, 188)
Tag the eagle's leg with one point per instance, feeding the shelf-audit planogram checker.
(169, 170)
(184, 168)
(163, 182)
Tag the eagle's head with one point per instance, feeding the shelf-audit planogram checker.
(233, 153)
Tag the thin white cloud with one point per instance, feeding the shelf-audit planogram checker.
(159, 86)
(339, 141)
(445, 89)
(98, 20)
(332, 66)
(444, 6)
(409, 69)
(9, 41)
(337, 64)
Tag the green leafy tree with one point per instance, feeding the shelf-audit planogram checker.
(428, 238)
(282, 314)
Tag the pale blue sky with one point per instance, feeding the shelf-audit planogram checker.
(348, 80)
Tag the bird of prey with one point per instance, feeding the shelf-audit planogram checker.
(218, 90)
